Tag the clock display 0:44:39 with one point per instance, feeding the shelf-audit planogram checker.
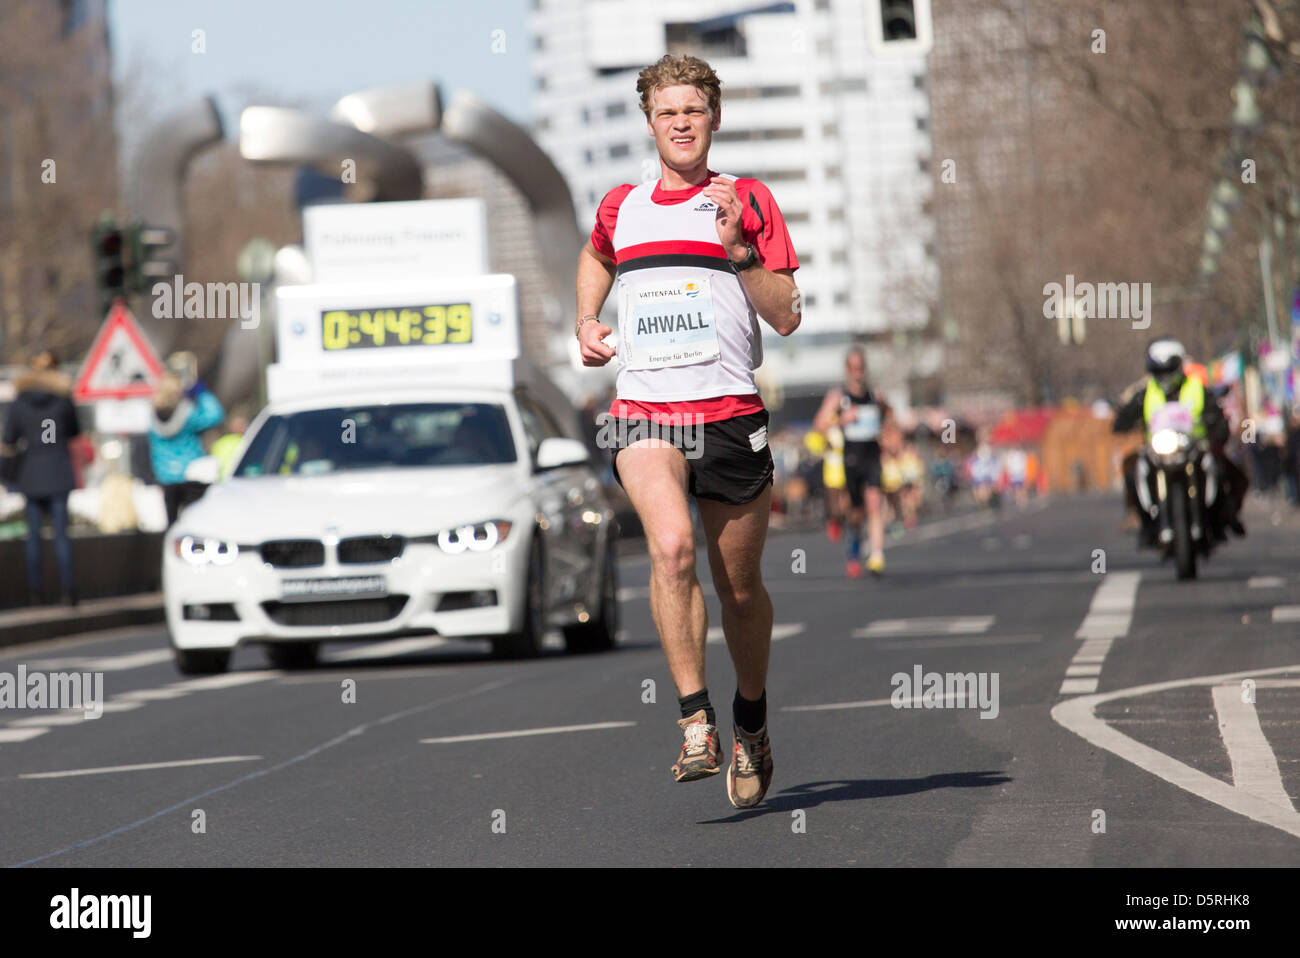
(397, 326)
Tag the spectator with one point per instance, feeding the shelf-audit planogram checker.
(179, 420)
(224, 448)
(41, 423)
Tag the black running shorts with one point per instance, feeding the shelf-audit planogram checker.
(729, 460)
(861, 469)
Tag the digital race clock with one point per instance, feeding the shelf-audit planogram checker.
(436, 325)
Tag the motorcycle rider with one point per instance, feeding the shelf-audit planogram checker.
(1168, 381)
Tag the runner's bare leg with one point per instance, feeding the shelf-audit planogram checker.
(735, 538)
(655, 479)
(875, 520)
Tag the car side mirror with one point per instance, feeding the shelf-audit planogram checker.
(555, 452)
(205, 469)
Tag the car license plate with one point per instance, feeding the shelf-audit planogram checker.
(346, 587)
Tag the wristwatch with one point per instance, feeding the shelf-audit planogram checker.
(582, 321)
(751, 259)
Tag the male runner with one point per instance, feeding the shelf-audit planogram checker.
(860, 414)
(697, 258)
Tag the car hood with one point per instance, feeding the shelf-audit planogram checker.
(402, 501)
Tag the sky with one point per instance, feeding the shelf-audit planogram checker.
(311, 52)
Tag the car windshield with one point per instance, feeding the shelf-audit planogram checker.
(385, 436)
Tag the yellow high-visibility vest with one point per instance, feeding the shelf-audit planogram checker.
(1191, 394)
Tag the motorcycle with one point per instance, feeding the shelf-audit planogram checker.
(1186, 485)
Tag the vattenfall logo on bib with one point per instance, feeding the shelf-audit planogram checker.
(691, 290)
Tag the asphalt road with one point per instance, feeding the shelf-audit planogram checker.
(1174, 770)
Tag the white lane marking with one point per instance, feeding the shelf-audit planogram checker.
(915, 700)
(121, 706)
(183, 763)
(1077, 715)
(779, 632)
(20, 734)
(61, 717)
(104, 663)
(385, 649)
(932, 625)
(520, 733)
(1254, 766)
(1286, 613)
(962, 642)
(1078, 686)
(149, 695)
(417, 671)
(1110, 614)
(229, 680)
(1265, 582)
(1084, 669)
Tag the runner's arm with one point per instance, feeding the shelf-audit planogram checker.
(595, 280)
(773, 293)
(825, 417)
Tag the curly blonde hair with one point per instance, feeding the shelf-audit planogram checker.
(669, 70)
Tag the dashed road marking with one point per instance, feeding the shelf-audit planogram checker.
(521, 733)
(779, 632)
(1286, 613)
(226, 681)
(1109, 616)
(148, 766)
(20, 734)
(1265, 582)
(931, 625)
(382, 650)
(103, 663)
(1078, 715)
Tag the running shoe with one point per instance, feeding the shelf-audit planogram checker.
(853, 569)
(876, 564)
(750, 771)
(833, 531)
(701, 749)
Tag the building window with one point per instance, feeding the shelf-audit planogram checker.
(760, 92)
(808, 298)
(922, 123)
(543, 124)
(586, 115)
(615, 109)
(541, 82)
(844, 85)
(835, 214)
(824, 46)
(587, 155)
(833, 172)
(539, 42)
(782, 133)
(618, 151)
(798, 216)
(830, 130)
(918, 82)
(838, 256)
(822, 5)
(923, 164)
(779, 176)
(842, 298)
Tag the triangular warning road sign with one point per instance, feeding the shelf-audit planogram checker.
(122, 364)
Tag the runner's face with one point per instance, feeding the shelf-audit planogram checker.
(681, 126)
(855, 371)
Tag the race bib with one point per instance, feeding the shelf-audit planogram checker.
(669, 323)
(866, 425)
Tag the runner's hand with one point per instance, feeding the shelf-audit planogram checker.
(730, 214)
(594, 351)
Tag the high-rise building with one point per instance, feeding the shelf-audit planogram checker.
(835, 124)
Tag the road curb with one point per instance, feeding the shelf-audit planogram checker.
(52, 622)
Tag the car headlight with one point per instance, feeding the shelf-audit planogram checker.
(200, 550)
(478, 537)
(1165, 442)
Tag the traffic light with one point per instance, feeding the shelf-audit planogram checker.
(108, 244)
(147, 266)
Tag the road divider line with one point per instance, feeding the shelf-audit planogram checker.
(962, 642)
(1265, 582)
(1079, 716)
(779, 632)
(1286, 613)
(227, 681)
(1254, 766)
(148, 766)
(386, 649)
(521, 733)
(103, 663)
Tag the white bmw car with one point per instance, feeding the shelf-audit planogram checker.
(460, 512)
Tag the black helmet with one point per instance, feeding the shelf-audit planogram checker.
(1165, 356)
